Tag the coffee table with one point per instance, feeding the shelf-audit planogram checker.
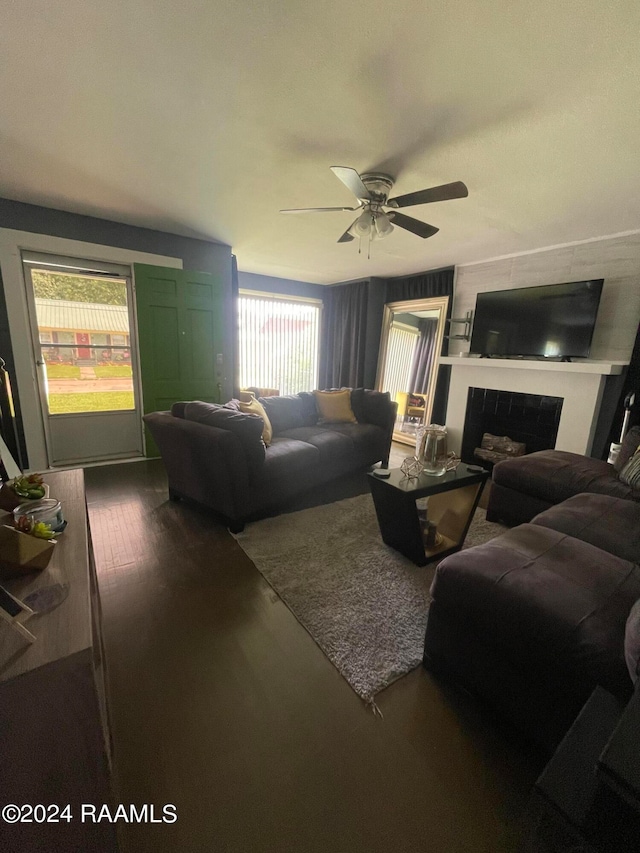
(453, 499)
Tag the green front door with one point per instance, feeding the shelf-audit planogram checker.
(180, 334)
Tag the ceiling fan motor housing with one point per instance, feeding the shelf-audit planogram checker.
(379, 186)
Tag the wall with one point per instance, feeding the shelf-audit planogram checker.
(615, 259)
(26, 226)
(288, 287)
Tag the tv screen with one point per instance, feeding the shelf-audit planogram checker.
(552, 321)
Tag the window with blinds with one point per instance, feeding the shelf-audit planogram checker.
(278, 341)
(400, 350)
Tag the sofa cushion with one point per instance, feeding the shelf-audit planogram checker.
(630, 474)
(177, 410)
(630, 444)
(247, 427)
(376, 408)
(290, 411)
(369, 441)
(334, 407)
(544, 600)
(555, 475)
(632, 642)
(286, 457)
(357, 404)
(254, 407)
(612, 524)
(336, 452)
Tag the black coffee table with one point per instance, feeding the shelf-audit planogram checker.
(453, 499)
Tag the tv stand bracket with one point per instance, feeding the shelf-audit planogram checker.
(467, 321)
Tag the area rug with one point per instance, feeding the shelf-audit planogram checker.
(363, 603)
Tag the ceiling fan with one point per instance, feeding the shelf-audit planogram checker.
(372, 190)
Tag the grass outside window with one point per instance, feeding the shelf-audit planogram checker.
(63, 371)
(113, 370)
(93, 401)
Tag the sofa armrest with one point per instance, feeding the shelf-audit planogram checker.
(203, 463)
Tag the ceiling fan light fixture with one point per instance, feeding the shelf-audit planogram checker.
(363, 225)
(383, 226)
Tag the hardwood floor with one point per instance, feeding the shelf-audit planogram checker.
(223, 705)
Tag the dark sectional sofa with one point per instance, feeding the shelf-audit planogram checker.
(524, 486)
(214, 454)
(534, 620)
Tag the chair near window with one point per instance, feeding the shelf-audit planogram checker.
(411, 406)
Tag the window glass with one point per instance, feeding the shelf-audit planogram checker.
(278, 343)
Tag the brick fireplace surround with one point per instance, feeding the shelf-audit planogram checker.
(579, 384)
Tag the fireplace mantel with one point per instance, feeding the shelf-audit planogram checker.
(580, 384)
(602, 368)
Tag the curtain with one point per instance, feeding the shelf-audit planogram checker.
(425, 286)
(235, 344)
(423, 356)
(344, 328)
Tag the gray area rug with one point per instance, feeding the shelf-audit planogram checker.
(363, 603)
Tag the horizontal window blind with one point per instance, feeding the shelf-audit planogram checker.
(400, 349)
(278, 343)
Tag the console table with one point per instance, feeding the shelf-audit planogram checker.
(54, 736)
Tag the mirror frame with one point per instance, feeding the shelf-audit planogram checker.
(440, 303)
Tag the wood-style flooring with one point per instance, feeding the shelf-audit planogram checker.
(222, 704)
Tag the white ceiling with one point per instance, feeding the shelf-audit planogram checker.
(205, 118)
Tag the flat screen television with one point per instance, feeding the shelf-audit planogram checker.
(550, 321)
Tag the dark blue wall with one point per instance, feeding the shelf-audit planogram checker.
(286, 286)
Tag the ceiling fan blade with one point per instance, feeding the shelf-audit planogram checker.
(422, 229)
(319, 209)
(351, 179)
(443, 193)
(347, 237)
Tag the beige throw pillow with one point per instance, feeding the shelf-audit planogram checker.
(334, 407)
(253, 407)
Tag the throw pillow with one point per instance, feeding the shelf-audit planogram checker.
(630, 474)
(255, 408)
(334, 407)
(632, 642)
(629, 446)
(290, 411)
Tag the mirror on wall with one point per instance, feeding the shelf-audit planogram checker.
(410, 347)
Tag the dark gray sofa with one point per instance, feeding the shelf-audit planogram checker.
(214, 454)
(527, 485)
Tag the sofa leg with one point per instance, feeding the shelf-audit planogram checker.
(173, 495)
(236, 526)
(493, 516)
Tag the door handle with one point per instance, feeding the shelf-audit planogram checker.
(40, 363)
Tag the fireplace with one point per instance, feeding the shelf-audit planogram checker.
(580, 386)
(529, 418)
